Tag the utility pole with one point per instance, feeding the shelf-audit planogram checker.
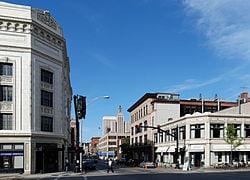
(177, 147)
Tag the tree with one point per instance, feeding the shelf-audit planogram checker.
(125, 148)
(232, 138)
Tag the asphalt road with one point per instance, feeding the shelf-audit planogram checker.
(160, 176)
(128, 173)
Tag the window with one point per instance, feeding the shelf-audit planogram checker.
(155, 138)
(140, 130)
(173, 131)
(145, 125)
(47, 124)
(145, 139)
(5, 69)
(167, 136)
(140, 140)
(46, 98)
(182, 133)
(161, 137)
(237, 128)
(6, 122)
(5, 93)
(216, 130)
(197, 131)
(247, 131)
(46, 76)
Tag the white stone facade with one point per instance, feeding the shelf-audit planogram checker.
(203, 147)
(31, 42)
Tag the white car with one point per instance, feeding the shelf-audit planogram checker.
(147, 164)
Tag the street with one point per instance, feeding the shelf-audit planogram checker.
(156, 176)
(135, 173)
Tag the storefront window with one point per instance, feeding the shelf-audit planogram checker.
(11, 157)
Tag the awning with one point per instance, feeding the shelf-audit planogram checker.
(110, 153)
(220, 147)
(161, 149)
(227, 147)
(171, 149)
(243, 147)
(196, 148)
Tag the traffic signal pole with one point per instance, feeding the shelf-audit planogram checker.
(80, 112)
(77, 135)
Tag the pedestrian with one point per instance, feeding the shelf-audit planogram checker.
(110, 166)
(156, 162)
(66, 164)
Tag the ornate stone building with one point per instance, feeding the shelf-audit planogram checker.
(35, 91)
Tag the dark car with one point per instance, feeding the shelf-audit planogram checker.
(88, 164)
(121, 161)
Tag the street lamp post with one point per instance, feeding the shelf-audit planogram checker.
(80, 112)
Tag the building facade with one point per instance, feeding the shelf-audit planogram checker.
(154, 109)
(94, 145)
(201, 139)
(115, 128)
(35, 96)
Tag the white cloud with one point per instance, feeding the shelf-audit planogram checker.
(103, 60)
(191, 84)
(225, 24)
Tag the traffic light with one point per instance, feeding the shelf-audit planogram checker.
(81, 107)
(137, 128)
(159, 129)
(77, 148)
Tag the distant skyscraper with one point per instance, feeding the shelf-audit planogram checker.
(120, 121)
(114, 129)
(109, 124)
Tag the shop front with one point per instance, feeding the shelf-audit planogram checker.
(11, 158)
(197, 155)
(47, 156)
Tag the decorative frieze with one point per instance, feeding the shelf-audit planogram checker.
(46, 110)
(6, 80)
(6, 106)
(44, 17)
(27, 28)
(15, 26)
(46, 86)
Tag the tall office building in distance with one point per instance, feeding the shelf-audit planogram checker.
(115, 128)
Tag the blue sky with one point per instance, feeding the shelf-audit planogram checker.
(126, 48)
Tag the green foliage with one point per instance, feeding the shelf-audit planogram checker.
(232, 138)
(125, 148)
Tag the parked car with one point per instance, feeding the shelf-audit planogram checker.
(147, 164)
(121, 161)
(88, 164)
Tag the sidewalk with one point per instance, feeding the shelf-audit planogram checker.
(203, 170)
(16, 176)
